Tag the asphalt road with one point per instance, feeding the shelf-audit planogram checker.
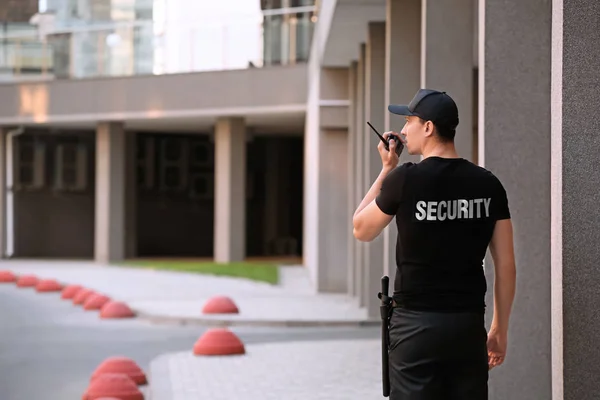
(49, 347)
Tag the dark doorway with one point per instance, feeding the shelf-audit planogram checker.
(175, 195)
(53, 194)
(274, 212)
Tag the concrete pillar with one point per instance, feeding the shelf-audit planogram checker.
(447, 60)
(359, 157)
(352, 173)
(402, 80)
(374, 113)
(575, 179)
(3, 171)
(326, 221)
(230, 190)
(514, 93)
(333, 181)
(312, 134)
(402, 59)
(110, 244)
(333, 216)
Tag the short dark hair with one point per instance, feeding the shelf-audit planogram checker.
(445, 127)
(445, 133)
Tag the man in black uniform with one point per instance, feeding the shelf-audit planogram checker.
(448, 210)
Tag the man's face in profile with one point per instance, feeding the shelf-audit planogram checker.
(414, 133)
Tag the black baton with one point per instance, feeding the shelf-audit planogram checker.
(385, 314)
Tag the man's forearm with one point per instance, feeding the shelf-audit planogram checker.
(373, 191)
(504, 293)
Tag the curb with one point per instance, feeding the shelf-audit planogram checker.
(160, 387)
(224, 322)
(228, 320)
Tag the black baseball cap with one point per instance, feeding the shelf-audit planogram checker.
(430, 105)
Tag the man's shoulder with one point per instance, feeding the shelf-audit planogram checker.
(466, 169)
(484, 177)
(479, 170)
(485, 173)
(402, 169)
(407, 165)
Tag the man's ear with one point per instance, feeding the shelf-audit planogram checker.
(428, 128)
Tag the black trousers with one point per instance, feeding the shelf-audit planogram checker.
(438, 356)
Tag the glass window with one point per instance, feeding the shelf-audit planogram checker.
(303, 3)
(270, 4)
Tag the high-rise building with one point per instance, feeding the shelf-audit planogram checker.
(14, 21)
(99, 10)
(287, 36)
(84, 48)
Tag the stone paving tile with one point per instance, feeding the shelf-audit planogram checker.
(165, 296)
(323, 370)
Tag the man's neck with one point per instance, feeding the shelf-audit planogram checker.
(443, 150)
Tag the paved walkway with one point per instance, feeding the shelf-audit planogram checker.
(336, 370)
(177, 297)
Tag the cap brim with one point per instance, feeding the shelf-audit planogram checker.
(399, 109)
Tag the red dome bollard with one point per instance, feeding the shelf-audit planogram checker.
(121, 365)
(70, 291)
(81, 296)
(27, 281)
(219, 342)
(116, 309)
(113, 385)
(95, 302)
(220, 305)
(7, 277)
(48, 285)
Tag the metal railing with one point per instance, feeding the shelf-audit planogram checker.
(127, 48)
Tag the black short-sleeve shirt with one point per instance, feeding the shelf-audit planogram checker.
(446, 210)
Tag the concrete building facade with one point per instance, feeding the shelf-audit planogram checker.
(274, 160)
(522, 74)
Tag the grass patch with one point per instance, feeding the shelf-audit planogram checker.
(256, 271)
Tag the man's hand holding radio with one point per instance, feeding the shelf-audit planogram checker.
(390, 158)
